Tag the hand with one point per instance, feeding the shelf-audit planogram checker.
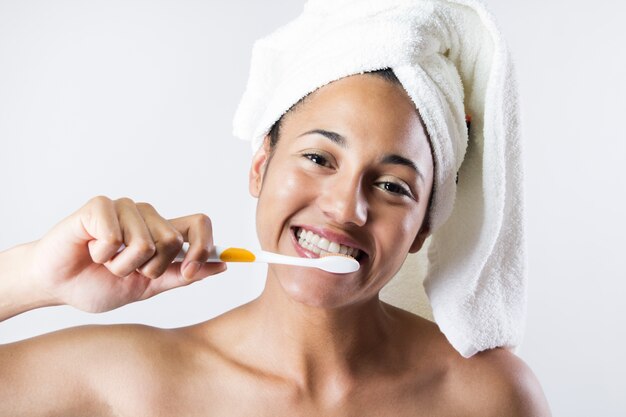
(77, 262)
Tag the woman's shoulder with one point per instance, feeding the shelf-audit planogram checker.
(129, 349)
(93, 366)
(97, 338)
(494, 382)
(497, 382)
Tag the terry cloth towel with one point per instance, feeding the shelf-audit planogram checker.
(452, 61)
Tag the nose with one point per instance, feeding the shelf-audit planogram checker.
(342, 200)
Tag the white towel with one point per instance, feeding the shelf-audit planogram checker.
(451, 60)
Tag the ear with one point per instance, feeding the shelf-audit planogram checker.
(257, 168)
(420, 239)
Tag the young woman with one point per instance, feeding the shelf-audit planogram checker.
(348, 157)
(351, 164)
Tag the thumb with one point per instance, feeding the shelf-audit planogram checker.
(173, 277)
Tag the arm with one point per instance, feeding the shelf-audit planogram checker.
(46, 375)
(77, 263)
(17, 293)
(91, 371)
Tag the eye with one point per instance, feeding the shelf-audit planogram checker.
(394, 188)
(317, 159)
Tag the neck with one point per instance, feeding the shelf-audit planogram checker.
(319, 347)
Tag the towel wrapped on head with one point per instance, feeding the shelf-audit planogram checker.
(450, 59)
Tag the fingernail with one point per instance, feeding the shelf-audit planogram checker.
(191, 269)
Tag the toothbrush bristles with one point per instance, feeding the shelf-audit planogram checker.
(339, 266)
(324, 255)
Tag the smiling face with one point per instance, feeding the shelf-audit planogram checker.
(351, 173)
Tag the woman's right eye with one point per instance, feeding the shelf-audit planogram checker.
(317, 159)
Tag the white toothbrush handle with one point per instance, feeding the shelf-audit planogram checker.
(276, 258)
(334, 264)
(341, 266)
(215, 257)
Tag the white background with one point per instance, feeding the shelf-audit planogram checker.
(136, 98)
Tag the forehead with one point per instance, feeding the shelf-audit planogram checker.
(364, 108)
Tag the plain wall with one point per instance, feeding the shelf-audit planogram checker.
(135, 98)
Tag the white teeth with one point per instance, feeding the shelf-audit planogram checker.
(323, 243)
(322, 246)
(333, 247)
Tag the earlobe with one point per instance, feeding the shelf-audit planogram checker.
(257, 168)
(419, 240)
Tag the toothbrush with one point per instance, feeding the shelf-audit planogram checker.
(338, 264)
(335, 263)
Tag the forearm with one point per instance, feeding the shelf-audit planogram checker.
(18, 291)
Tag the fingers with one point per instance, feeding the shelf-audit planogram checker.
(98, 218)
(173, 278)
(140, 246)
(168, 242)
(198, 231)
(151, 242)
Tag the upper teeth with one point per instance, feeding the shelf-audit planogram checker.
(322, 246)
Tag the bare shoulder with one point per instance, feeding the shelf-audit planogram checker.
(116, 342)
(93, 351)
(83, 367)
(498, 383)
(494, 382)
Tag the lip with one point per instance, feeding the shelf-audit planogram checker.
(331, 236)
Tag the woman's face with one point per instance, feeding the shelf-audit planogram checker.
(352, 170)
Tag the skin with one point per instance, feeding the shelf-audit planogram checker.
(313, 343)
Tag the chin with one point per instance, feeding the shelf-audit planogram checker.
(316, 288)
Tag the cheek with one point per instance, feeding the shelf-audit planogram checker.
(395, 237)
(286, 190)
(286, 186)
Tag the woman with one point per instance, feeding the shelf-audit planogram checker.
(352, 164)
(313, 343)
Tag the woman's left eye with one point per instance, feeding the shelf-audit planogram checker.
(394, 188)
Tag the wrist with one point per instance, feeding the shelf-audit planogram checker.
(19, 287)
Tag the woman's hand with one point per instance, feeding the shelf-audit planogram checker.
(77, 262)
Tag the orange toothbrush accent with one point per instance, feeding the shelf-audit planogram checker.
(237, 255)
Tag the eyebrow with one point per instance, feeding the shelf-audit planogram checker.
(393, 159)
(401, 160)
(333, 136)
